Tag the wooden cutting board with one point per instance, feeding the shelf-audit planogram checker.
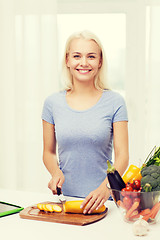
(34, 213)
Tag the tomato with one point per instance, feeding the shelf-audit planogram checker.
(123, 192)
(128, 190)
(131, 185)
(127, 184)
(137, 184)
(127, 201)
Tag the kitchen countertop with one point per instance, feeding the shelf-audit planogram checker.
(110, 227)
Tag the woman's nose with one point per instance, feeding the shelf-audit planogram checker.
(84, 61)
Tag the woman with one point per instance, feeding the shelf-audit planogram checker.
(83, 120)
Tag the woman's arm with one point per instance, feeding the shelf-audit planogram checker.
(120, 142)
(121, 148)
(50, 158)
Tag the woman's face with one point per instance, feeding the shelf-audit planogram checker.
(83, 59)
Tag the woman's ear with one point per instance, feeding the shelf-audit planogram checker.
(67, 60)
(100, 63)
(101, 60)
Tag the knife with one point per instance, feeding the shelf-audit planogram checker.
(60, 195)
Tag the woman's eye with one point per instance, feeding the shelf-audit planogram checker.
(76, 56)
(92, 56)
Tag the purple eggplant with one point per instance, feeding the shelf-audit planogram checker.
(115, 181)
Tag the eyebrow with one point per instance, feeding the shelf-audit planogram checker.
(87, 53)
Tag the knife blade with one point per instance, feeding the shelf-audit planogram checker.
(60, 195)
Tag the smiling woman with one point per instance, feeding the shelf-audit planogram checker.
(83, 60)
(84, 119)
(84, 55)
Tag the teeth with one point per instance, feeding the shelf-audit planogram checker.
(83, 71)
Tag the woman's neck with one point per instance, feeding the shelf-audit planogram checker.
(83, 88)
(83, 97)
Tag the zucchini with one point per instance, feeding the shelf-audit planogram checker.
(74, 207)
(49, 207)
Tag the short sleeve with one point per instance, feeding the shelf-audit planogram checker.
(47, 112)
(120, 110)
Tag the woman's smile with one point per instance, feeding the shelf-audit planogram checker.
(83, 60)
(84, 71)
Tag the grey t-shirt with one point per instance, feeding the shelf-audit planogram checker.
(84, 139)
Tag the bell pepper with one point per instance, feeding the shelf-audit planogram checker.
(131, 174)
(138, 176)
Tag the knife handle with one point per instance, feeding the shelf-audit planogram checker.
(59, 191)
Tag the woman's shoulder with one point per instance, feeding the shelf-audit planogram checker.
(54, 97)
(114, 99)
(112, 94)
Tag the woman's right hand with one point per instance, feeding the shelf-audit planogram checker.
(57, 180)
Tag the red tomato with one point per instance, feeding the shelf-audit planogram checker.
(128, 189)
(127, 201)
(131, 185)
(127, 184)
(137, 184)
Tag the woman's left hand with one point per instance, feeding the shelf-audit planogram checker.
(96, 199)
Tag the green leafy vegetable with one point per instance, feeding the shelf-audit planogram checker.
(150, 178)
(153, 158)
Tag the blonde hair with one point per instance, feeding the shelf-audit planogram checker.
(101, 77)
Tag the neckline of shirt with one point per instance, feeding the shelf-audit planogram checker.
(88, 109)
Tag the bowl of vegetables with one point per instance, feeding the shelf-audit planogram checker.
(137, 193)
(134, 204)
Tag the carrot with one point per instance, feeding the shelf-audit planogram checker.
(121, 204)
(145, 211)
(134, 206)
(142, 213)
(153, 212)
(146, 217)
